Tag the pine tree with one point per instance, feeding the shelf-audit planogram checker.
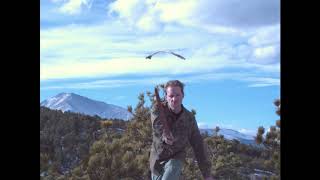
(216, 130)
(272, 143)
(125, 156)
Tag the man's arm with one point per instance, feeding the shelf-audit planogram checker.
(166, 134)
(200, 152)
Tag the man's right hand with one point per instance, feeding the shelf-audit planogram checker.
(167, 137)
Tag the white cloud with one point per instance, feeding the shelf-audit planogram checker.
(168, 10)
(149, 24)
(263, 81)
(265, 52)
(73, 7)
(218, 16)
(109, 83)
(266, 36)
(99, 68)
(265, 45)
(111, 49)
(149, 79)
(130, 11)
(237, 13)
(57, 1)
(254, 80)
(169, 65)
(101, 51)
(203, 125)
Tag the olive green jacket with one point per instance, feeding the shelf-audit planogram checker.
(185, 130)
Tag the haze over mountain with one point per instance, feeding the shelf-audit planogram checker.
(231, 134)
(80, 104)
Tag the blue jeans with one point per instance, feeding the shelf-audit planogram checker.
(171, 171)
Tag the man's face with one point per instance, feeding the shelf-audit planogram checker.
(174, 97)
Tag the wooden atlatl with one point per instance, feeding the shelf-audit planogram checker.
(166, 134)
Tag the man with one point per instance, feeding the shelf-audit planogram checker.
(168, 147)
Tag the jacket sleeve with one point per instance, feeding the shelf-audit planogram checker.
(199, 149)
(155, 121)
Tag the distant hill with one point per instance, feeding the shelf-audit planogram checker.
(80, 104)
(231, 134)
(65, 138)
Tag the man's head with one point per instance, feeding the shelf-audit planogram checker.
(174, 94)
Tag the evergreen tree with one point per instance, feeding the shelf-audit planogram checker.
(125, 156)
(272, 144)
(216, 130)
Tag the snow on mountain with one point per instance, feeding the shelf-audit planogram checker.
(80, 104)
(231, 134)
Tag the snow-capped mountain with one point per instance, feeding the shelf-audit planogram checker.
(231, 134)
(80, 104)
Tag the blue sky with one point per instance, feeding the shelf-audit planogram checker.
(97, 48)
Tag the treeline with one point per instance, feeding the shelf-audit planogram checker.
(66, 138)
(79, 147)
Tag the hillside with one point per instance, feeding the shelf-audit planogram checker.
(66, 137)
(75, 103)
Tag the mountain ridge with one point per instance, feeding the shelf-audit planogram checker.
(80, 104)
(231, 134)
